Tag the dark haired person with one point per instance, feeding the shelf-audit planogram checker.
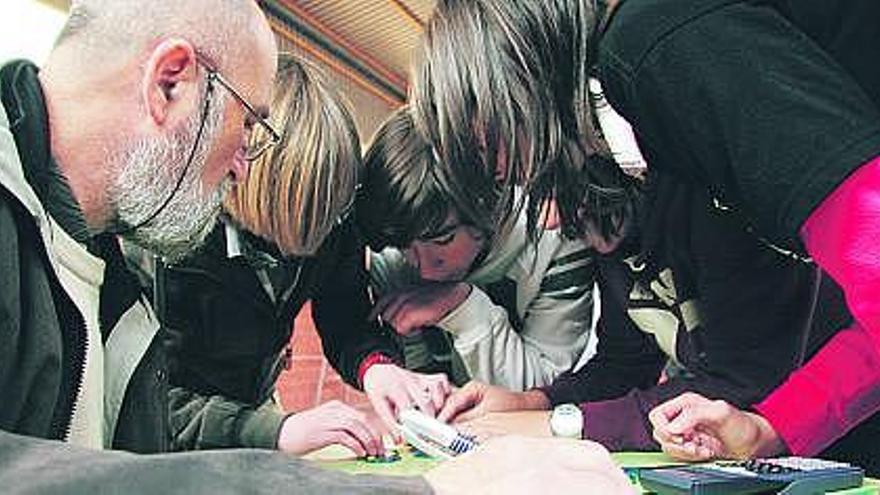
(765, 112)
(465, 297)
(678, 308)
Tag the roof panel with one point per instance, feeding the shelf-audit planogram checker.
(385, 30)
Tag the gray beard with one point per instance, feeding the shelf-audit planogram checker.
(148, 172)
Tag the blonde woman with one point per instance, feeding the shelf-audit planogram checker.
(288, 236)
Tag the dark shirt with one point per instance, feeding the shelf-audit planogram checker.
(227, 327)
(745, 101)
(706, 117)
(733, 313)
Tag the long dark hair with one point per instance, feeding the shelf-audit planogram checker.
(494, 74)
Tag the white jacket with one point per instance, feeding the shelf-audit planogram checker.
(523, 343)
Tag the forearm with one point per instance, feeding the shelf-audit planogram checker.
(622, 423)
(494, 352)
(840, 386)
(626, 359)
(347, 350)
(41, 466)
(602, 379)
(340, 310)
(200, 422)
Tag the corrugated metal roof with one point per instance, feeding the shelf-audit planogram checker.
(372, 37)
(365, 44)
(384, 29)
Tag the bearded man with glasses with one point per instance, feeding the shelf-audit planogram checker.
(125, 130)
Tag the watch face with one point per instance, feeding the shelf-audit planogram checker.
(567, 421)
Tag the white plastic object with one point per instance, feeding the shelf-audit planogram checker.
(567, 421)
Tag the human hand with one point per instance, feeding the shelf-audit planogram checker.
(516, 464)
(421, 306)
(694, 428)
(392, 389)
(476, 399)
(330, 423)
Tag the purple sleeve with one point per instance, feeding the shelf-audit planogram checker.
(622, 423)
(618, 424)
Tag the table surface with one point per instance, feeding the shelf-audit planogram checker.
(530, 423)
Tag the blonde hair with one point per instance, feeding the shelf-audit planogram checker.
(301, 188)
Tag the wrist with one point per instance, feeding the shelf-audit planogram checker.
(287, 432)
(535, 400)
(368, 362)
(768, 442)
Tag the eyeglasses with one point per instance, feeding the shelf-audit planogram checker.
(254, 150)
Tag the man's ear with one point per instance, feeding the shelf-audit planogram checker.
(170, 69)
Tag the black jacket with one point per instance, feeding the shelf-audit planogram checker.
(227, 334)
(736, 315)
(41, 330)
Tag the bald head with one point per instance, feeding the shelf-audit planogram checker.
(226, 31)
(129, 75)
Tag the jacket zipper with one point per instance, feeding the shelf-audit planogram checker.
(74, 340)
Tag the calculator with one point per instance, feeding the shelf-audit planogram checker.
(433, 437)
(785, 475)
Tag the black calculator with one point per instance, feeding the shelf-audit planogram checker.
(785, 475)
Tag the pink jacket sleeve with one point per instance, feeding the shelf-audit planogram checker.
(840, 386)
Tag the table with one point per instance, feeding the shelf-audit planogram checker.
(534, 423)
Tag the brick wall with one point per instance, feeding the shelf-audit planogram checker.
(311, 380)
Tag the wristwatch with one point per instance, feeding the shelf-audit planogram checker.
(567, 421)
